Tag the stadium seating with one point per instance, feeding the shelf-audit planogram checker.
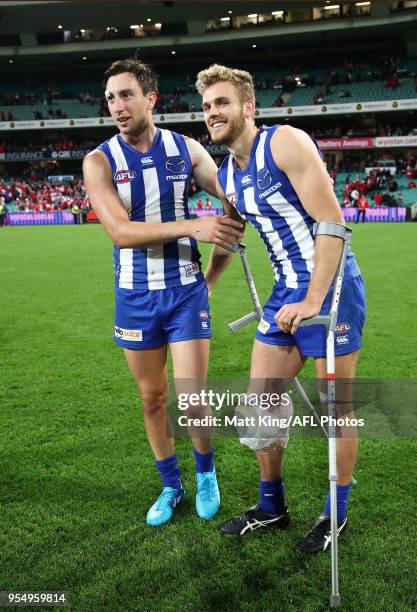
(65, 95)
(72, 108)
(359, 92)
(409, 196)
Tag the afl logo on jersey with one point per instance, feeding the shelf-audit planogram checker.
(264, 179)
(175, 165)
(124, 176)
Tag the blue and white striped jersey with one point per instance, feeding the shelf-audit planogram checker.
(153, 187)
(264, 196)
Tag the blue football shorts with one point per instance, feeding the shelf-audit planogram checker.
(146, 319)
(311, 341)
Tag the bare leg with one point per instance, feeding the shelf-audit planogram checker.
(348, 444)
(273, 362)
(190, 362)
(148, 368)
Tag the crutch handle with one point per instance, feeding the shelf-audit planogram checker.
(318, 320)
(236, 325)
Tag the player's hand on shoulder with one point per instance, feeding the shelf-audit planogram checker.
(217, 229)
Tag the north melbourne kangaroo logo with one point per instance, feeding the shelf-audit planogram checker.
(175, 165)
(264, 179)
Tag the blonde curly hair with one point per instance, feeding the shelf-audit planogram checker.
(216, 73)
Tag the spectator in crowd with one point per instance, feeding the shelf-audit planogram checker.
(392, 185)
(3, 211)
(388, 200)
(75, 211)
(354, 196)
(363, 205)
(378, 199)
(318, 98)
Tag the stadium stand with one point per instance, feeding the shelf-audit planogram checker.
(38, 194)
(22, 195)
(384, 79)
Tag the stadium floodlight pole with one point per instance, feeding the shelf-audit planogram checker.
(257, 315)
(330, 322)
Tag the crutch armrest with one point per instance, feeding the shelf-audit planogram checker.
(236, 325)
(329, 228)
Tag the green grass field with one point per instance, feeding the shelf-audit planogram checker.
(77, 476)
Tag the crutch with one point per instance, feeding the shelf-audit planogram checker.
(257, 315)
(329, 321)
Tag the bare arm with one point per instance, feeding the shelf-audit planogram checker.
(220, 258)
(204, 167)
(205, 175)
(135, 234)
(296, 154)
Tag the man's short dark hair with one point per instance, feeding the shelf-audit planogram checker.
(143, 73)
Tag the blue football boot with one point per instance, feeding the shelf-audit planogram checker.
(207, 500)
(162, 510)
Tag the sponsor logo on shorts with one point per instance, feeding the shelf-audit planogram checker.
(268, 192)
(204, 324)
(246, 180)
(342, 327)
(264, 179)
(131, 335)
(176, 165)
(263, 326)
(232, 198)
(342, 340)
(124, 176)
(191, 269)
(203, 314)
(146, 161)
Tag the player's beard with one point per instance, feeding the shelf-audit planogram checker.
(235, 126)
